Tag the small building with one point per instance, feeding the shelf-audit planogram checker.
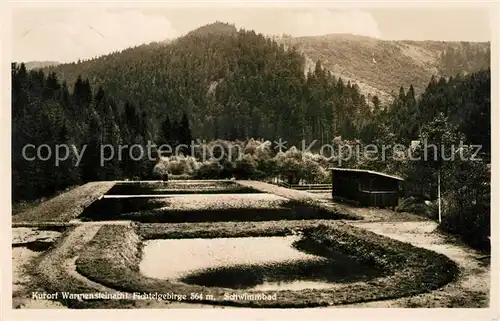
(365, 187)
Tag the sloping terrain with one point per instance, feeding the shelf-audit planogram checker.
(380, 67)
(66, 206)
(469, 290)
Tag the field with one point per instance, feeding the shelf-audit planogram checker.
(234, 244)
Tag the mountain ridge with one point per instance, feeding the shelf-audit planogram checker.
(379, 66)
(37, 64)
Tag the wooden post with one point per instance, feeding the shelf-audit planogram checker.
(373, 200)
(439, 195)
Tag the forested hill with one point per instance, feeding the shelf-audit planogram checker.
(232, 84)
(380, 66)
(235, 84)
(40, 64)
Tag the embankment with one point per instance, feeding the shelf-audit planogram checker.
(66, 206)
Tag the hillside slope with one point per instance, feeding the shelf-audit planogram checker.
(230, 83)
(40, 64)
(238, 84)
(380, 67)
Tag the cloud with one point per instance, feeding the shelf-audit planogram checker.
(323, 22)
(83, 33)
(308, 22)
(67, 35)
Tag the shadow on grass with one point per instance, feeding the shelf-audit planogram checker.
(341, 269)
(163, 188)
(157, 210)
(36, 246)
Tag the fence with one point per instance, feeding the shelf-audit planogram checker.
(305, 187)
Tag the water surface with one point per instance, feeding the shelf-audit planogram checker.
(249, 263)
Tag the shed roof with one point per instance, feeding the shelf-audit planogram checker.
(365, 171)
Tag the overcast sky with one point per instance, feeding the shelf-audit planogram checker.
(69, 34)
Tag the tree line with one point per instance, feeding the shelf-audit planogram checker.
(46, 112)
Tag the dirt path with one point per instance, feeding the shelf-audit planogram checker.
(62, 258)
(58, 271)
(317, 200)
(21, 258)
(57, 268)
(280, 191)
(470, 290)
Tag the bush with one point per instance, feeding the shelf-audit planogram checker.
(466, 211)
(417, 205)
(176, 165)
(245, 167)
(160, 169)
(469, 218)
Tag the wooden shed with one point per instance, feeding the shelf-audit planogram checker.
(365, 187)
